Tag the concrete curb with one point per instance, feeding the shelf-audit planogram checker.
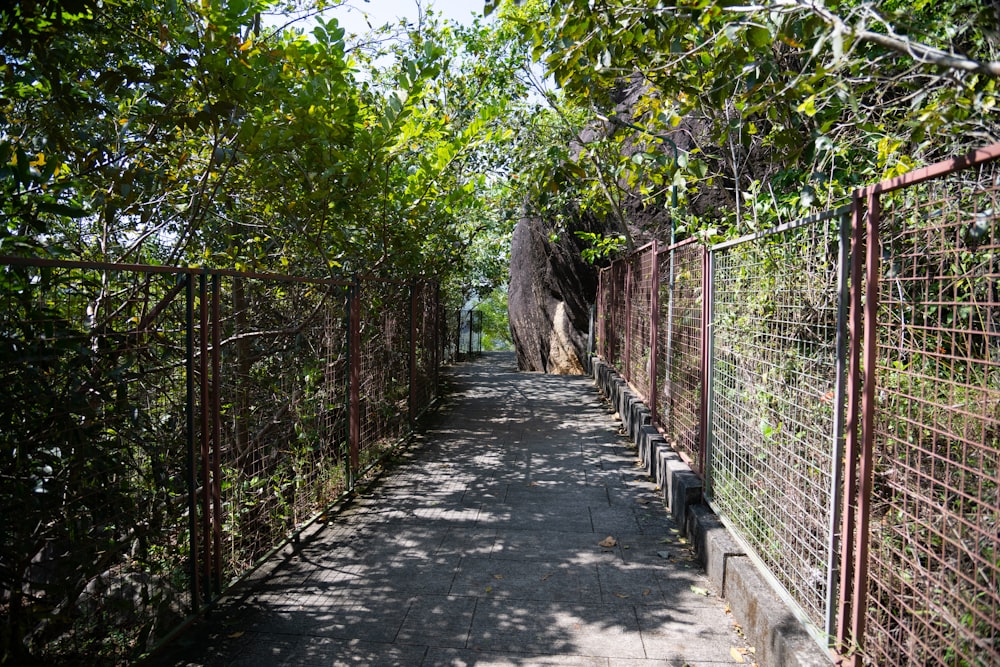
(780, 639)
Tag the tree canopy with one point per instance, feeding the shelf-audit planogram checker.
(775, 107)
(196, 133)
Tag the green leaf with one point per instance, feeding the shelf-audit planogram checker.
(759, 36)
(808, 107)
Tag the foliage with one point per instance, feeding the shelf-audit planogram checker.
(780, 107)
(83, 447)
(182, 132)
(495, 323)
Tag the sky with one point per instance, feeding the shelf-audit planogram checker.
(380, 12)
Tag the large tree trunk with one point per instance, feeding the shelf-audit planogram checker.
(551, 291)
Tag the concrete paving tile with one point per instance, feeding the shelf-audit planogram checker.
(431, 576)
(571, 548)
(703, 633)
(614, 520)
(326, 652)
(416, 541)
(632, 584)
(464, 514)
(485, 492)
(556, 493)
(437, 620)
(527, 580)
(573, 518)
(481, 547)
(466, 541)
(470, 658)
(649, 548)
(346, 616)
(551, 628)
(675, 662)
(258, 650)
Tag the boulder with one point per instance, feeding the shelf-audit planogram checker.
(550, 294)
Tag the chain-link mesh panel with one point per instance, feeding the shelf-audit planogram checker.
(94, 512)
(283, 411)
(775, 321)
(615, 314)
(678, 406)
(425, 378)
(385, 369)
(934, 564)
(605, 298)
(640, 289)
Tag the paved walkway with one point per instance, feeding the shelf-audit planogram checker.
(487, 545)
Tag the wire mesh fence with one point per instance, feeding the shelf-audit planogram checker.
(460, 334)
(170, 427)
(639, 304)
(93, 431)
(934, 509)
(282, 414)
(426, 353)
(859, 464)
(384, 367)
(777, 319)
(678, 405)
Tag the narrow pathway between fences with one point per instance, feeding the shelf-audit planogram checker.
(517, 530)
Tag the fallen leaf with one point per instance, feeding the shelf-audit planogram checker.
(608, 542)
(489, 589)
(697, 590)
(236, 635)
(498, 576)
(546, 577)
(621, 595)
(737, 656)
(646, 592)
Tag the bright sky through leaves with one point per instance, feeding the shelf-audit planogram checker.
(380, 12)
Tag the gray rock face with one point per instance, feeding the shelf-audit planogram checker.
(551, 289)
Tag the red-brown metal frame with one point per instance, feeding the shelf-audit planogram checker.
(354, 357)
(413, 353)
(852, 445)
(216, 403)
(654, 328)
(861, 406)
(706, 326)
(206, 420)
(627, 357)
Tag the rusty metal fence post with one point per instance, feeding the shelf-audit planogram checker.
(204, 432)
(844, 640)
(412, 398)
(654, 327)
(706, 362)
(627, 359)
(354, 381)
(192, 476)
(216, 408)
(472, 319)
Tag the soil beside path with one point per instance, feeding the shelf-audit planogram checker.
(518, 530)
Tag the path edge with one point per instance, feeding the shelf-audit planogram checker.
(767, 622)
